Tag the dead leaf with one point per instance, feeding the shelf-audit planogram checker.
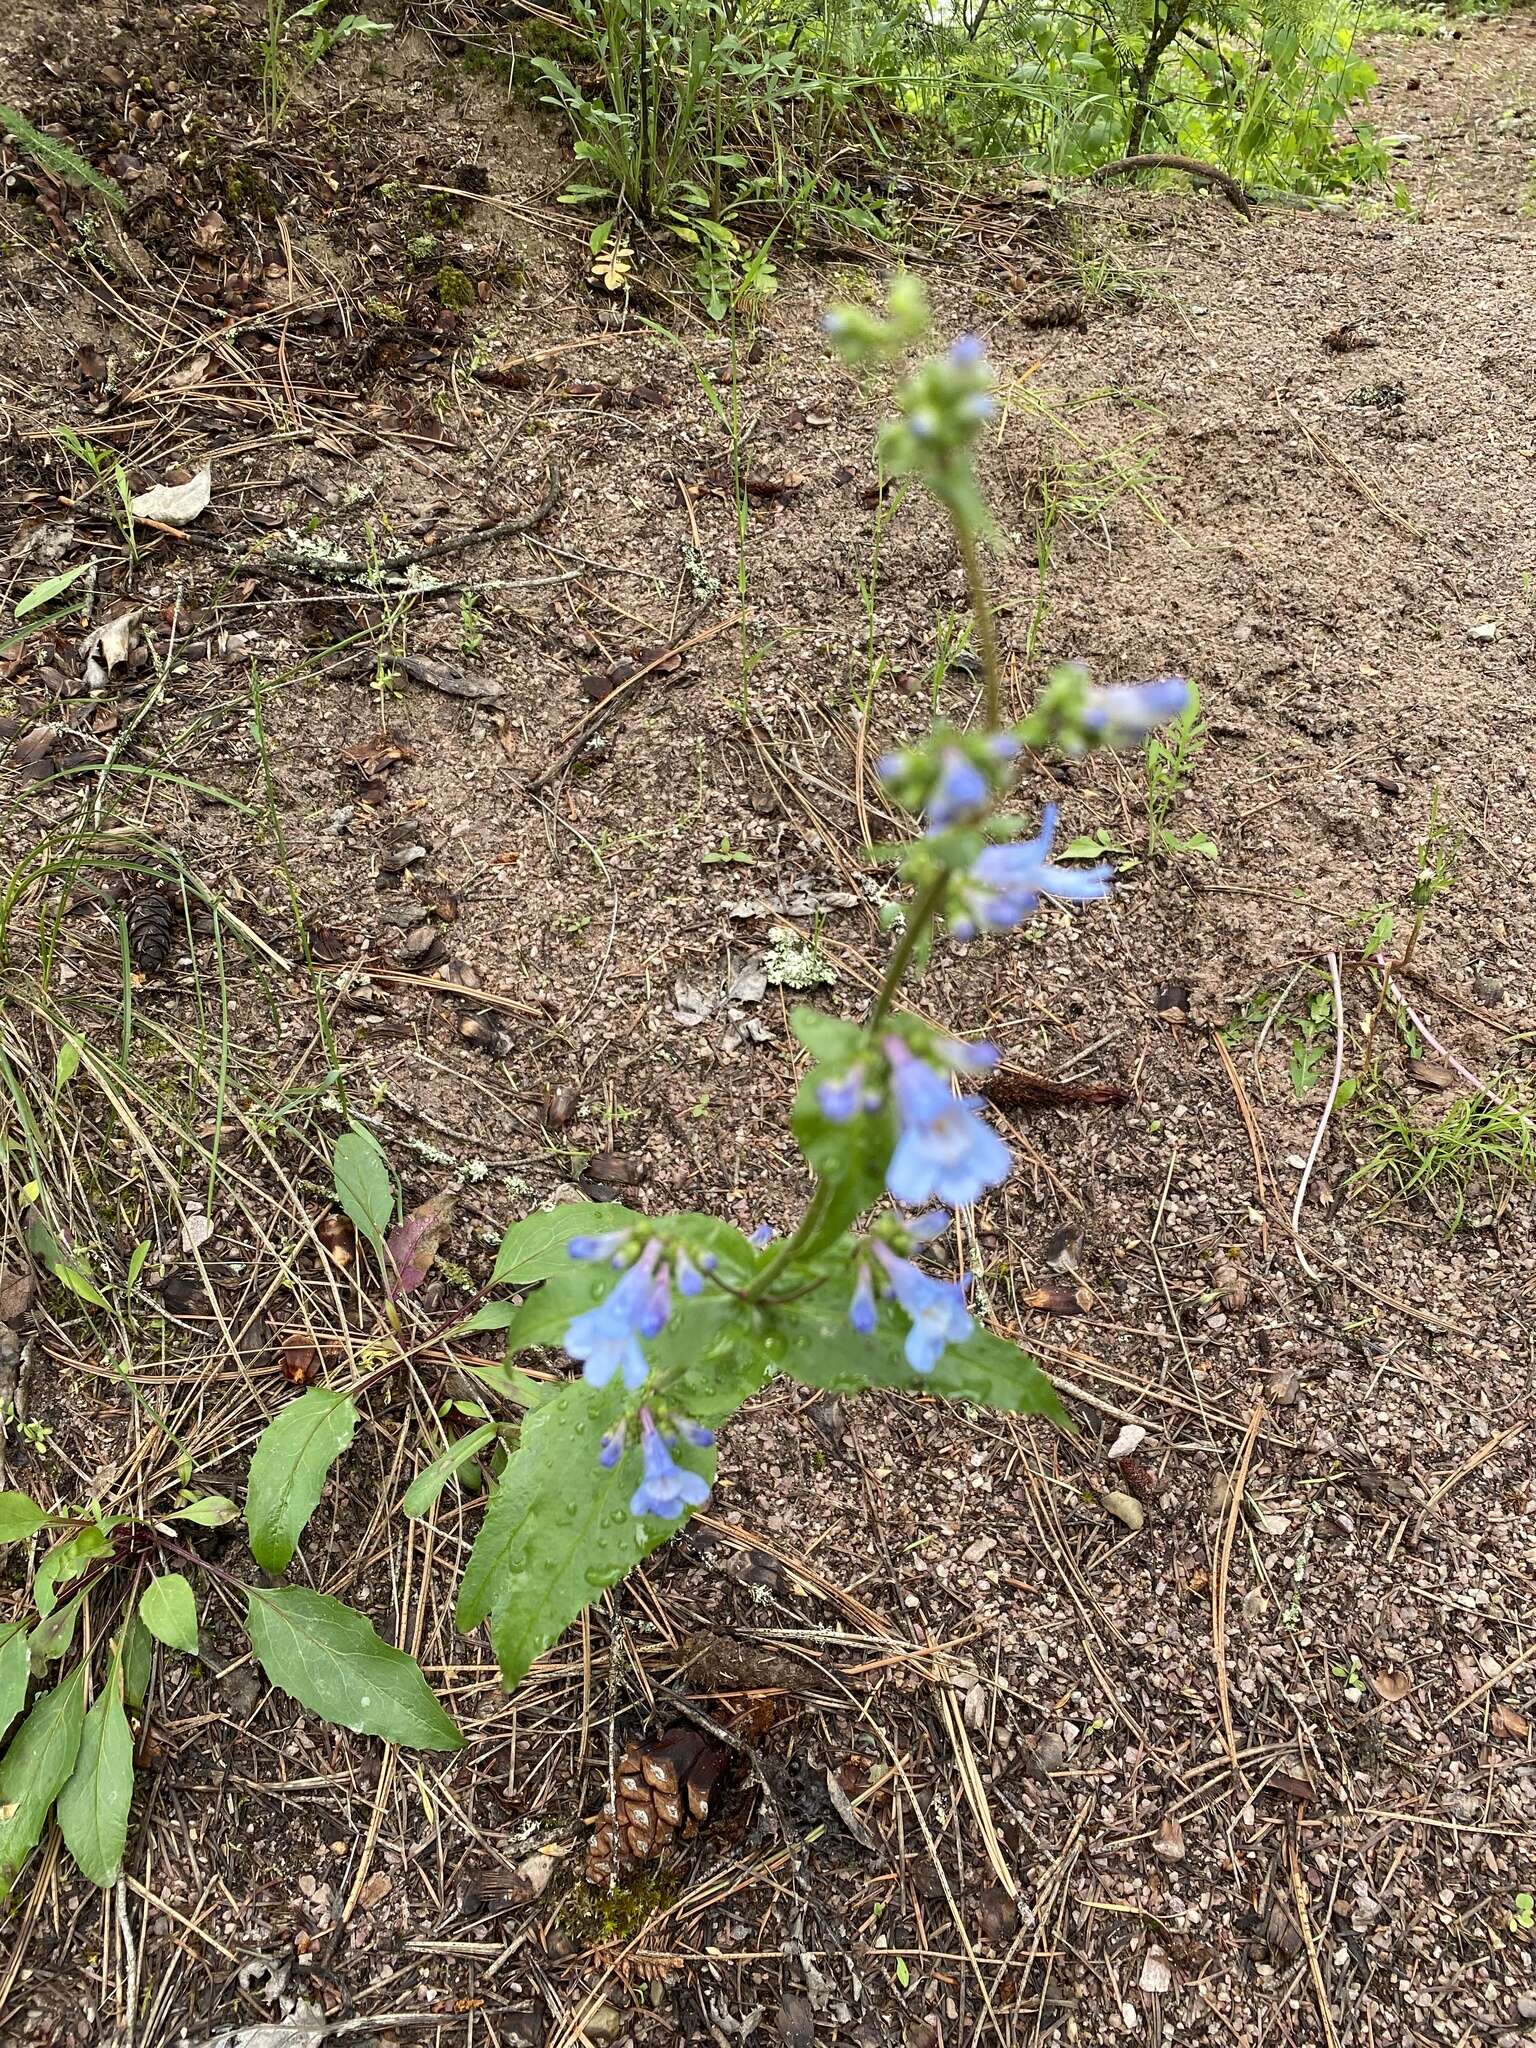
(849, 1815)
(1510, 1723)
(18, 1284)
(1430, 1074)
(195, 1232)
(299, 1362)
(1057, 1299)
(175, 504)
(374, 1890)
(1391, 1684)
(339, 1239)
(612, 264)
(413, 1244)
(106, 650)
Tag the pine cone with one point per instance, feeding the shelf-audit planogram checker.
(665, 1785)
(151, 926)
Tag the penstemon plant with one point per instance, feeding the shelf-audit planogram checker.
(678, 1321)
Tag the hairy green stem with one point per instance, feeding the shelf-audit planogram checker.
(986, 629)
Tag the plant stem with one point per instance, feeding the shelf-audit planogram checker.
(986, 629)
(919, 918)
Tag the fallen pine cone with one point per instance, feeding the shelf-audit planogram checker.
(151, 926)
(665, 1785)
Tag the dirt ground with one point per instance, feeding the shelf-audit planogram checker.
(1258, 1769)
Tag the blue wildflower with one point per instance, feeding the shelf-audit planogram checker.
(861, 1309)
(667, 1487)
(968, 352)
(606, 1339)
(923, 423)
(1130, 711)
(978, 405)
(693, 1432)
(925, 1228)
(1005, 883)
(966, 1059)
(762, 1237)
(604, 1247)
(611, 1449)
(961, 787)
(935, 1308)
(945, 1152)
(842, 1098)
(690, 1281)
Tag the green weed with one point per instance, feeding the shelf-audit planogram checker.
(1483, 1147)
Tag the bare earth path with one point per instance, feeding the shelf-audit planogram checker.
(1258, 1770)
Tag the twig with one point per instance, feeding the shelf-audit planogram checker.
(1223, 1570)
(1192, 167)
(323, 570)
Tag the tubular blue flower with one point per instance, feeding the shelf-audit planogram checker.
(762, 1236)
(861, 1309)
(602, 1247)
(926, 1228)
(968, 352)
(1002, 747)
(945, 1152)
(690, 1281)
(935, 1308)
(954, 1053)
(667, 1487)
(961, 787)
(1130, 711)
(611, 1449)
(1005, 883)
(978, 405)
(843, 1098)
(693, 1432)
(606, 1339)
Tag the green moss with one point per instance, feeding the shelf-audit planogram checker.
(248, 192)
(455, 287)
(595, 1917)
(422, 248)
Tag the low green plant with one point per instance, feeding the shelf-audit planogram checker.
(58, 159)
(1170, 759)
(287, 52)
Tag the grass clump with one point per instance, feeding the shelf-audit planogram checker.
(1479, 1152)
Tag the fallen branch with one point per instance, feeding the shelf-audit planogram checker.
(1203, 174)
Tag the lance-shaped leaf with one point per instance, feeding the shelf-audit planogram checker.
(288, 1471)
(36, 1768)
(414, 1244)
(93, 1806)
(20, 1517)
(811, 1341)
(535, 1248)
(15, 1670)
(168, 1609)
(422, 1494)
(364, 1187)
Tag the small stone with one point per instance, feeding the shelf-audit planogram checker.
(1050, 1751)
(1285, 1387)
(1126, 1508)
(997, 1915)
(1169, 1846)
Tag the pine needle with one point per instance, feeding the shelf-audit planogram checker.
(57, 158)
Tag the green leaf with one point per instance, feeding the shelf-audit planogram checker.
(66, 1064)
(51, 1638)
(491, 1315)
(20, 1517)
(211, 1511)
(136, 1652)
(832, 1041)
(36, 1769)
(93, 1806)
(364, 1186)
(15, 1670)
(558, 1528)
(59, 159)
(42, 593)
(288, 1471)
(169, 1611)
(66, 1561)
(850, 1160)
(328, 1657)
(422, 1493)
(136, 1260)
(812, 1340)
(535, 1248)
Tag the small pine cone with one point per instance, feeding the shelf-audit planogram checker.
(662, 1786)
(151, 925)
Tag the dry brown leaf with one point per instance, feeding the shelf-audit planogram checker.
(1509, 1723)
(1391, 1684)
